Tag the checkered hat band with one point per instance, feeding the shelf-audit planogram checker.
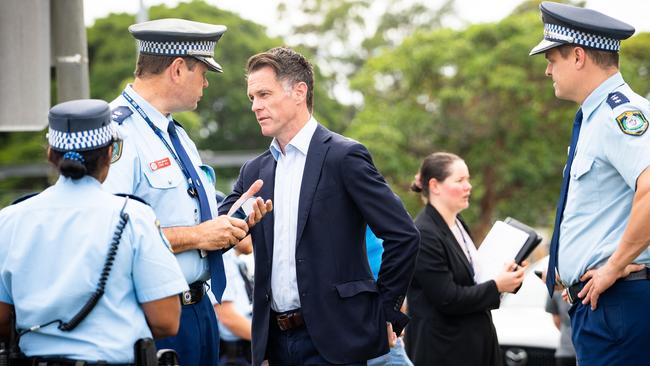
(80, 141)
(558, 33)
(180, 48)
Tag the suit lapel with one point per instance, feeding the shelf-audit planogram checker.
(450, 239)
(318, 148)
(267, 174)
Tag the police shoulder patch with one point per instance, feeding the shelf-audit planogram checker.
(118, 146)
(632, 123)
(616, 98)
(162, 236)
(120, 113)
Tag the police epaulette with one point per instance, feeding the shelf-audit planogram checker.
(616, 98)
(120, 113)
(134, 197)
(24, 197)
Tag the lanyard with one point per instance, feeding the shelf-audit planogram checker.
(191, 190)
(469, 255)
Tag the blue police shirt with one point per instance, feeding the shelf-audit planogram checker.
(612, 151)
(147, 169)
(53, 252)
(235, 292)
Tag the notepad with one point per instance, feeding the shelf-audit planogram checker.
(507, 240)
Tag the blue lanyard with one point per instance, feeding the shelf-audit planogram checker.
(191, 190)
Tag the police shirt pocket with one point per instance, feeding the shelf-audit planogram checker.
(352, 288)
(584, 181)
(165, 178)
(582, 166)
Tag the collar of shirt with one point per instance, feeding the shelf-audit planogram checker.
(600, 94)
(85, 181)
(300, 142)
(159, 120)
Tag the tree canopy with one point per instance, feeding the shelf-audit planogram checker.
(477, 93)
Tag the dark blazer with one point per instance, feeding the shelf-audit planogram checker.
(451, 322)
(345, 310)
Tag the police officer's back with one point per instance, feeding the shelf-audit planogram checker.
(74, 240)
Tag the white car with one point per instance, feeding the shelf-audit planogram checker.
(525, 330)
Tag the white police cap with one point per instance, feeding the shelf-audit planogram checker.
(179, 37)
(80, 125)
(566, 24)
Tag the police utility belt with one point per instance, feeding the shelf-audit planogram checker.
(194, 294)
(574, 290)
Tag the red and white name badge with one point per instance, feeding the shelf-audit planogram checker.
(159, 164)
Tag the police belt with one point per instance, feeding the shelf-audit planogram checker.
(574, 290)
(234, 349)
(194, 294)
(59, 361)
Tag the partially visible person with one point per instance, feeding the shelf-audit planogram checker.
(236, 309)
(397, 355)
(75, 240)
(315, 300)
(599, 248)
(451, 320)
(160, 163)
(565, 354)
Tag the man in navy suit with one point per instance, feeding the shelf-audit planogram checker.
(315, 299)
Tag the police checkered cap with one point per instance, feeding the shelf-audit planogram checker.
(179, 37)
(177, 48)
(80, 125)
(566, 24)
(558, 33)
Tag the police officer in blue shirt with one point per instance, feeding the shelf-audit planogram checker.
(75, 241)
(161, 164)
(600, 241)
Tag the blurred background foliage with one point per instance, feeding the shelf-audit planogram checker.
(400, 82)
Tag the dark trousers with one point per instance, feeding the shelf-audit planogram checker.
(617, 332)
(565, 361)
(235, 353)
(294, 348)
(197, 341)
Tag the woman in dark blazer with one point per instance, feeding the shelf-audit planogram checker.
(451, 322)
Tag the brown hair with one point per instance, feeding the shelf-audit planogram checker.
(155, 65)
(599, 57)
(289, 66)
(434, 166)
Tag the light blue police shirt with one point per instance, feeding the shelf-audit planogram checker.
(603, 180)
(235, 292)
(53, 252)
(148, 170)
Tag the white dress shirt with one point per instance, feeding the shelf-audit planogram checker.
(288, 180)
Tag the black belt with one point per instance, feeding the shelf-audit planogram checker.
(574, 290)
(234, 349)
(288, 320)
(194, 294)
(59, 361)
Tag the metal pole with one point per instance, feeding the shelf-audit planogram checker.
(70, 51)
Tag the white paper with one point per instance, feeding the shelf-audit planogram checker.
(500, 246)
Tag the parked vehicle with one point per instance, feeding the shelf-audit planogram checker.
(526, 331)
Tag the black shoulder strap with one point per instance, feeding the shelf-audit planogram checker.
(133, 197)
(24, 197)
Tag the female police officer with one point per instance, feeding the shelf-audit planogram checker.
(74, 242)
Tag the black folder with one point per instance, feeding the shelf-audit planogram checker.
(531, 243)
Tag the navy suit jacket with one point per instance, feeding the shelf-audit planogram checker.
(344, 308)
